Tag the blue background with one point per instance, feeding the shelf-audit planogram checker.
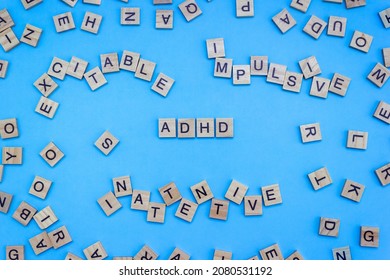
(266, 147)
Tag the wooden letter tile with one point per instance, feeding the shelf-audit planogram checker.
(129, 61)
(320, 178)
(122, 258)
(236, 192)
(52, 154)
(276, 73)
(40, 243)
(106, 142)
(202, 192)
(253, 205)
(145, 69)
(314, 27)
(58, 68)
(93, 2)
(343, 253)
(109, 62)
(383, 174)
(329, 227)
(361, 41)
(60, 237)
(130, 16)
(71, 257)
(27, 4)
(24, 213)
(140, 200)
(95, 252)
(219, 209)
(1, 172)
(166, 128)
(241, 75)
(222, 255)
(215, 48)
(45, 218)
(379, 75)
(186, 210)
(349, 4)
(386, 55)
(259, 65)
(9, 128)
(352, 190)
(122, 186)
(369, 236)
(178, 255)
(385, 17)
(77, 67)
(5, 200)
(5, 20)
(337, 26)
(156, 212)
(12, 155)
(357, 139)
(146, 254)
(300, 5)
(271, 253)
(95, 78)
(310, 67)
(296, 256)
(109, 204)
(382, 112)
(163, 84)
(245, 8)
(190, 10)
(64, 22)
(254, 258)
(284, 21)
(71, 3)
(292, 81)
(46, 107)
(205, 128)
(31, 35)
(8, 39)
(46, 85)
(339, 84)
(186, 128)
(40, 187)
(271, 195)
(14, 253)
(3, 68)
(224, 127)
(319, 87)
(161, 2)
(164, 19)
(170, 193)
(91, 22)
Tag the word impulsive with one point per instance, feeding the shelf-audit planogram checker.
(204, 128)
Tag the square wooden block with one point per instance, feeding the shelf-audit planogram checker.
(224, 127)
(343, 253)
(60, 237)
(146, 254)
(241, 75)
(386, 55)
(140, 200)
(3, 68)
(385, 17)
(329, 227)
(219, 209)
(178, 255)
(95, 78)
(52, 154)
(361, 41)
(186, 128)
(91, 22)
(202, 192)
(259, 65)
(1, 172)
(379, 75)
(109, 62)
(167, 128)
(130, 16)
(14, 253)
(6, 20)
(5, 200)
(254, 258)
(31, 35)
(163, 84)
(186, 210)
(156, 212)
(40, 187)
(245, 8)
(339, 84)
(190, 10)
(95, 252)
(271, 253)
(292, 81)
(296, 256)
(106, 143)
(271, 195)
(122, 258)
(9, 128)
(369, 237)
(46, 107)
(382, 112)
(253, 205)
(45, 218)
(161, 2)
(170, 193)
(215, 48)
(276, 73)
(353, 190)
(236, 192)
(122, 186)
(93, 2)
(320, 87)
(58, 68)
(77, 67)
(205, 128)
(8, 39)
(284, 21)
(320, 178)
(309, 67)
(40, 243)
(223, 67)
(222, 255)
(300, 5)
(46, 85)
(109, 204)
(145, 69)
(349, 4)
(24, 213)
(383, 174)
(310, 132)
(64, 22)
(12, 155)
(28, 4)
(71, 3)
(71, 257)
(337, 26)
(357, 139)
(164, 19)
(129, 61)
(314, 27)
